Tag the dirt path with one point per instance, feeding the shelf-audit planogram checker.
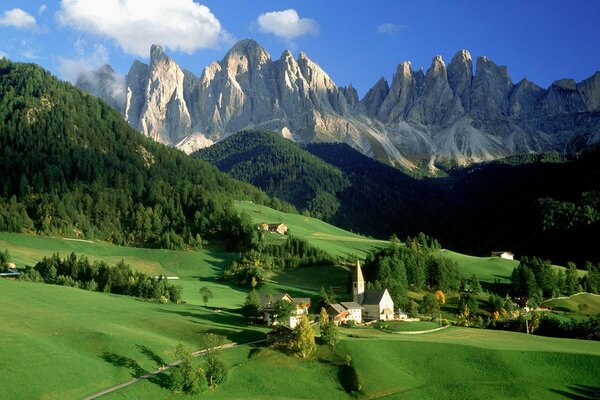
(163, 369)
(421, 332)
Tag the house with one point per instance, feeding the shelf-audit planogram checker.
(354, 310)
(10, 272)
(343, 312)
(507, 255)
(277, 228)
(377, 304)
(280, 336)
(401, 314)
(337, 313)
(268, 308)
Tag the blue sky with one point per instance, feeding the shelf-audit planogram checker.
(354, 41)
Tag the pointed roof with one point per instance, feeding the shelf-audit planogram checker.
(358, 275)
(373, 296)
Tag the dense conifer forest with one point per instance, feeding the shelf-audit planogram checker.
(72, 167)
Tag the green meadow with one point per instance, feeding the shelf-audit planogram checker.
(59, 342)
(336, 241)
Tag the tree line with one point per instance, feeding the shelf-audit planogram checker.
(100, 276)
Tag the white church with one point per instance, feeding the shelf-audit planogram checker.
(377, 304)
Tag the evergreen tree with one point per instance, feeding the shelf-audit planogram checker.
(304, 338)
(571, 279)
(429, 305)
(251, 308)
(328, 328)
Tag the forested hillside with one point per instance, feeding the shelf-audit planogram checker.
(542, 205)
(72, 167)
(281, 168)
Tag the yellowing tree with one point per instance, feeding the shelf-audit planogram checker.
(440, 296)
(304, 338)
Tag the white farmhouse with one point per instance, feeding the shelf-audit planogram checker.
(268, 308)
(507, 255)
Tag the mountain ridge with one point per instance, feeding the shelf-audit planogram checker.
(449, 114)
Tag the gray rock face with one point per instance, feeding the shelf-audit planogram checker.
(460, 75)
(449, 113)
(106, 84)
(490, 90)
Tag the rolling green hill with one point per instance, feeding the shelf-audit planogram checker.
(281, 168)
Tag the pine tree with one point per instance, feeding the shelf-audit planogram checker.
(304, 338)
(328, 328)
(251, 308)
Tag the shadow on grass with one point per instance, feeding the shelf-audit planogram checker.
(163, 380)
(124, 362)
(580, 392)
(158, 361)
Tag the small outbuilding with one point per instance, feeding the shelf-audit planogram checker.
(507, 255)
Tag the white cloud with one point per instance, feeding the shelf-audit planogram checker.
(135, 25)
(3, 54)
(86, 61)
(42, 9)
(18, 18)
(287, 24)
(389, 28)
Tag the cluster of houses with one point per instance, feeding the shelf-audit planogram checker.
(366, 305)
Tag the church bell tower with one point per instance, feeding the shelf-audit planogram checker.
(358, 285)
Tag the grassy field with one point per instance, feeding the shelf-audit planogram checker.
(58, 342)
(461, 363)
(572, 304)
(414, 326)
(335, 241)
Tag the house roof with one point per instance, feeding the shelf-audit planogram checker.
(498, 253)
(264, 299)
(337, 308)
(373, 296)
(305, 300)
(351, 305)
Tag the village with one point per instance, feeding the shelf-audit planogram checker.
(367, 306)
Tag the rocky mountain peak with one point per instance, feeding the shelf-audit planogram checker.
(460, 76)
(565, 84)
(157, 54)
(450, 111)
(490, 89)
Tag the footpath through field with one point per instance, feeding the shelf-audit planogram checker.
(421, 332)
(164, 368)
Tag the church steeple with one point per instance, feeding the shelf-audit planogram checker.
(358, 285)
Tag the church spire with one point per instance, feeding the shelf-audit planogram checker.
(358, 285)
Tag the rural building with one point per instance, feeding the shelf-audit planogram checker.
(280, 336)
(507, 255)
(377, 304)
(343, 312)
(10, 272)
(277, 228)
(268, 308)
